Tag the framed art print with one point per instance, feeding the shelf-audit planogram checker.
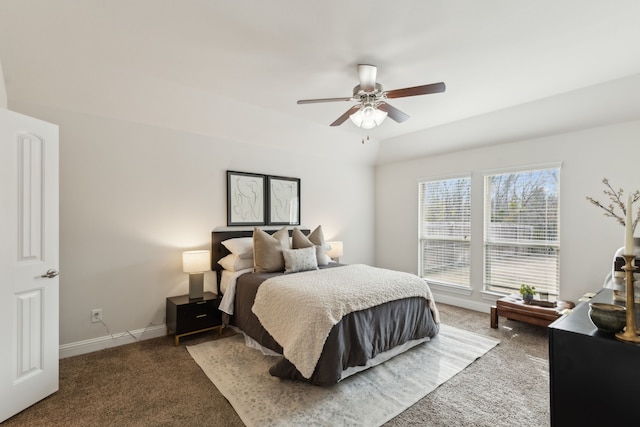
(283, 200)
(245, 198)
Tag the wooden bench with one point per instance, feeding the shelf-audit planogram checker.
(513, 308)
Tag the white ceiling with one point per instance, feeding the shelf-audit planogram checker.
(156, 62)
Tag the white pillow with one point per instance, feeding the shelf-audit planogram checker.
(233, 262)
(241, 246)
(296, 260)
(322, 257)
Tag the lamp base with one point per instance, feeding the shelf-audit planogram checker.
(196, 285)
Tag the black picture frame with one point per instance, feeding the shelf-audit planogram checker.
(283, 200)
(246, 201)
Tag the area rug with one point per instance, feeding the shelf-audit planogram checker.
(369, 398)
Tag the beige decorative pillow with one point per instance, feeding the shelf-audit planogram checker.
(299, 240)
(296, 260)
(317, 238)
(267, 250)
(282, 236)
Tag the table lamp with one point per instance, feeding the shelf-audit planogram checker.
(196, 263)
(336, 250)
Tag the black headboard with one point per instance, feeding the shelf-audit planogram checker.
(219, 251)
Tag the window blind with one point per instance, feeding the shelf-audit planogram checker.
(444, 227)
(521, 230)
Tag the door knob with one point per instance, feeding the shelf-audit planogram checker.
(51, 273)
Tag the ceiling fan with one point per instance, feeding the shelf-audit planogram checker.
(372, 107)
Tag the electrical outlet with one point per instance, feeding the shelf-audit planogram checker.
(96, 315)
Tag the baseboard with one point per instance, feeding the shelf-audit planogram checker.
(108, 341)
(483, 307)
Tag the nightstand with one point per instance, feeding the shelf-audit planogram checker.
(190, 316)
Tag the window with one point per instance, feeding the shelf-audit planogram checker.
(521, 230)
(444, 227)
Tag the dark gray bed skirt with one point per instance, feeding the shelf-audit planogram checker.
(358, 337)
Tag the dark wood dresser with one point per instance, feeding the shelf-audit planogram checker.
(594, 378)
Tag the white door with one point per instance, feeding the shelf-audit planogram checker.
(29, 348)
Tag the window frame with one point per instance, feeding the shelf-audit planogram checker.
(450, 286)
(549, 245)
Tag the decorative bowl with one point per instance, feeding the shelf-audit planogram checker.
(608, 318)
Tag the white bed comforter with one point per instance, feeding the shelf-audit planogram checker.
(299, 309)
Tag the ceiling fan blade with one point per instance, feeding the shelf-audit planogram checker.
(416, 90)
(346, 115)
(367, 74)
(393, 112)
(314, 101)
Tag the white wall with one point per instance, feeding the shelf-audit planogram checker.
(133, 197)
(588, 239)
(3, 89)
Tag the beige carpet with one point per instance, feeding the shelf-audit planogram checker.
(367, 399)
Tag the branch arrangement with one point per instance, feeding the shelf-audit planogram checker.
(616, 202)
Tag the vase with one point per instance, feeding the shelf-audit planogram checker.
(618, 275)
(527, 298)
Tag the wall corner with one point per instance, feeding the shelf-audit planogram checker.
(3, 90)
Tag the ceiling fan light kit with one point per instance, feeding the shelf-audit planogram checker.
(373, 108)
(368, 117)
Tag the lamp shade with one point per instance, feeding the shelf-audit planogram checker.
(336, 249)
(368, 117)
(196, 261)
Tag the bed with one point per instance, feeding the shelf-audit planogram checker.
(358, 334)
